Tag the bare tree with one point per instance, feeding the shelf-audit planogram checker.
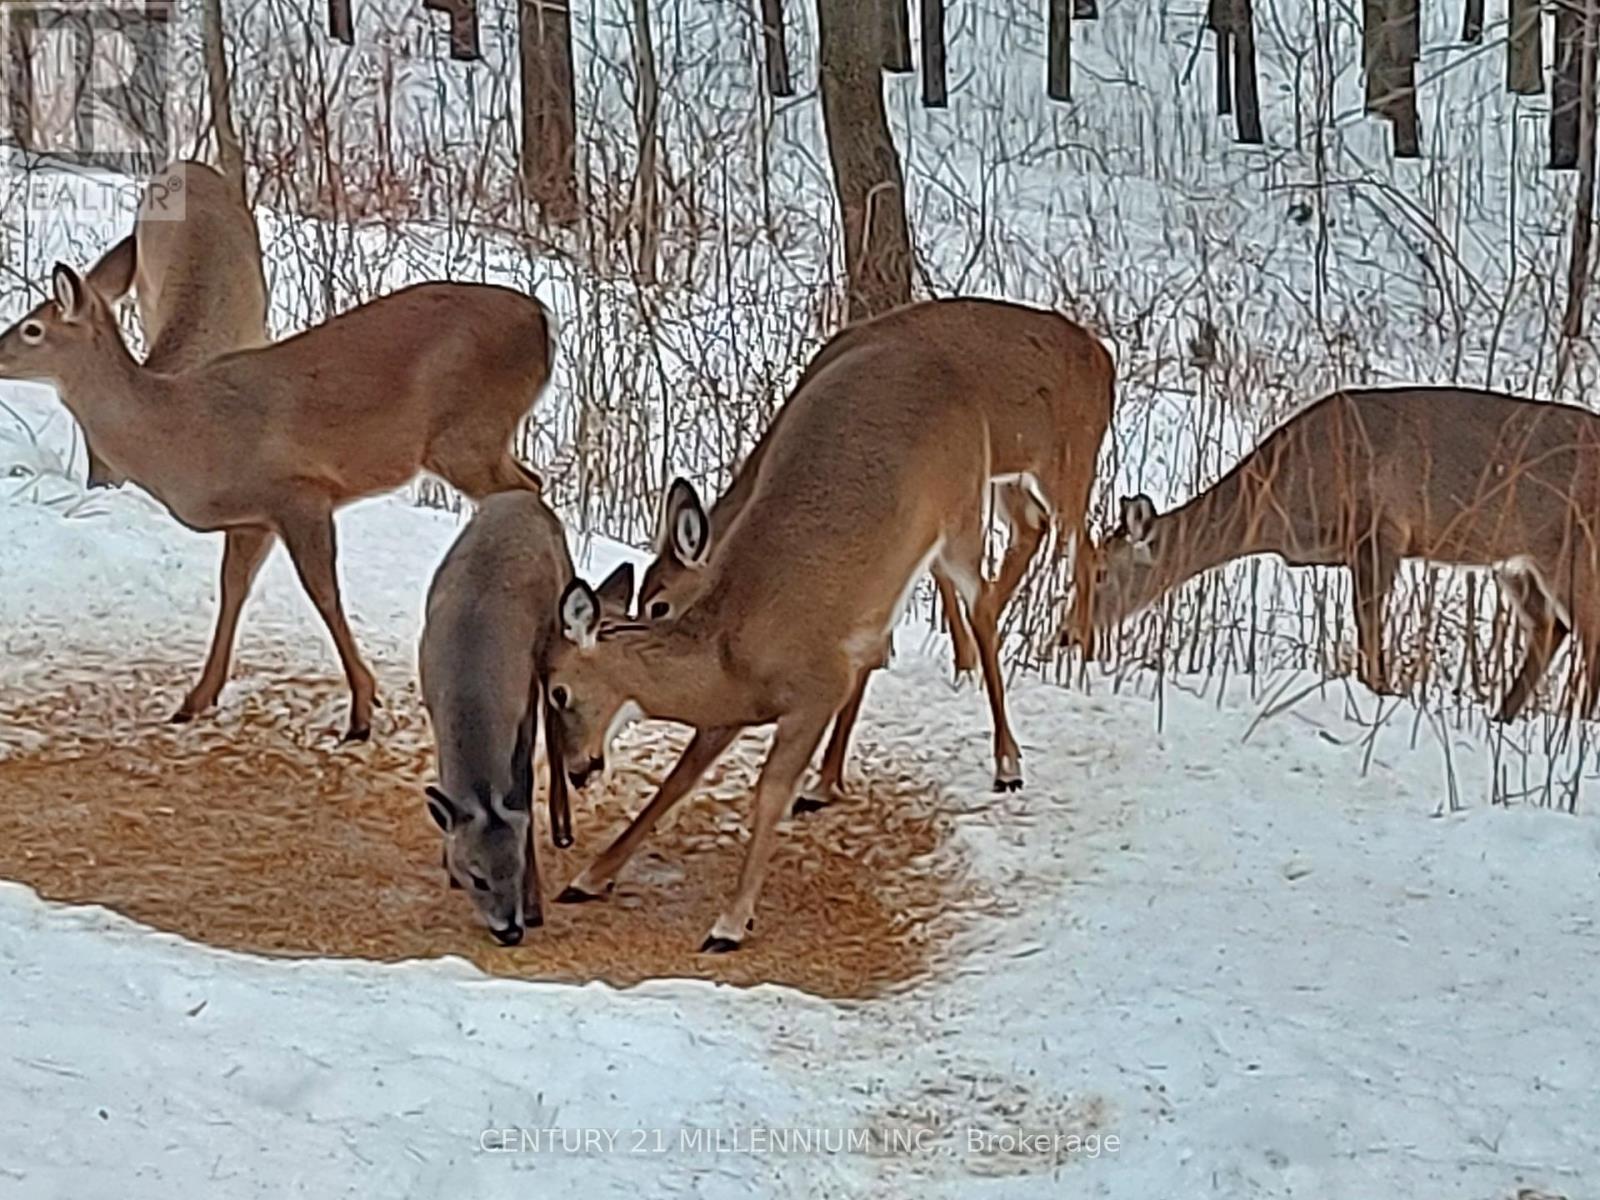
(896, 35)
(866, 168)
(935, 87)
(341, 24)
(1058, 65)
(1566, 87)
(549, 110)
(230, 154)
(646, 107)
(775, 49)
(463, 16)
(1583, 209)
(1524, 49)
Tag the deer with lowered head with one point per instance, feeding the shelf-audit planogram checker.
(266, 443)
(193, 264)
(490, 624)
(881, 467)
(1046, 401)
(1365, 478)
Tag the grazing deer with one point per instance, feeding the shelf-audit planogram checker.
(881, 468)
(266, 443)
(491, 620)
(1366, 477)
(193, 263)
(1046, 399)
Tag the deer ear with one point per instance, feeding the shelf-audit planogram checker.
(615, 593)
(441, 809)
(112, 276)
(68, 288)
(580, 614)
(685, 530)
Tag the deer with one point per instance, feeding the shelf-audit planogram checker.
(193, 264)
(1046, 401)
(798, 598)
(265, 444)
(1367, 477)
(490, 622)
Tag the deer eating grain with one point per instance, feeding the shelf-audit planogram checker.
(490, 623)
(1045, 396)
(266, 443)
(800, 594)
(1364, 478)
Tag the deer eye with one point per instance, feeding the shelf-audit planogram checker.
(32, 332)
(659, 609)
(559, 697)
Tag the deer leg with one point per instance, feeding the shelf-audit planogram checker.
(243, 552)
(309, 537)
(830, 782)
(1372, 569)
(1545, 631)
(523, 783)
(962, 557)
(560, 798)
(598, 878)
(792, 745)
(955, 622)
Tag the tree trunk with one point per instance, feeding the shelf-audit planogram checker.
(1059, 81)
(775, 49)
(549, 110)
(935, 87)
(646, 213)
(341, 25)
(1525, 49)
(1566, 86)
(463, 16)
(1246, 97)
(229, 153)
(896, 35)
(1583, 211)
(866, 168)
(1472, 21)
(1219, 20)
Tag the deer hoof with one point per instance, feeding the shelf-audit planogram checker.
(356, 733)
(572, 894)
(718, 945)
(182, 717)
(1008, 785)
(809, 804)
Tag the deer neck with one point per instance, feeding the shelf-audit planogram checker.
(107, 390)
(680, 674)
(1228, 521)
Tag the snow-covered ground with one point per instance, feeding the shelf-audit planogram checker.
(1236, 958)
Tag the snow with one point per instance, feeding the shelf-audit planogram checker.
(1234, 956)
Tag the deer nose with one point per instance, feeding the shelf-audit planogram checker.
(582, 776)
(509, 936)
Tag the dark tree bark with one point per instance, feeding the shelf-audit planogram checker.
(1566, 86)
(341, 25)
(646, 210)
(463, 16)
(1472, 21)
(1525, 49)
(867, 176)
(549, 110)
(1246, 96)
(1219, 21)
(230, 155)
(1390, 46)
(1085, 10)
(896, 35)
(1059, 81)
(935, 87)
(775, 50)
(1583, 210)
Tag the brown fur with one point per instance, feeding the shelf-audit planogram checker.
(1366, 477)
(1045, 395)
(267, 443)
(802, 589)
(196, 278)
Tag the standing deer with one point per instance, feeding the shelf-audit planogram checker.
(193, 263)
(490, 623)
(266, 443)
(1367, 477)
(1046, 400)
(879, 469)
